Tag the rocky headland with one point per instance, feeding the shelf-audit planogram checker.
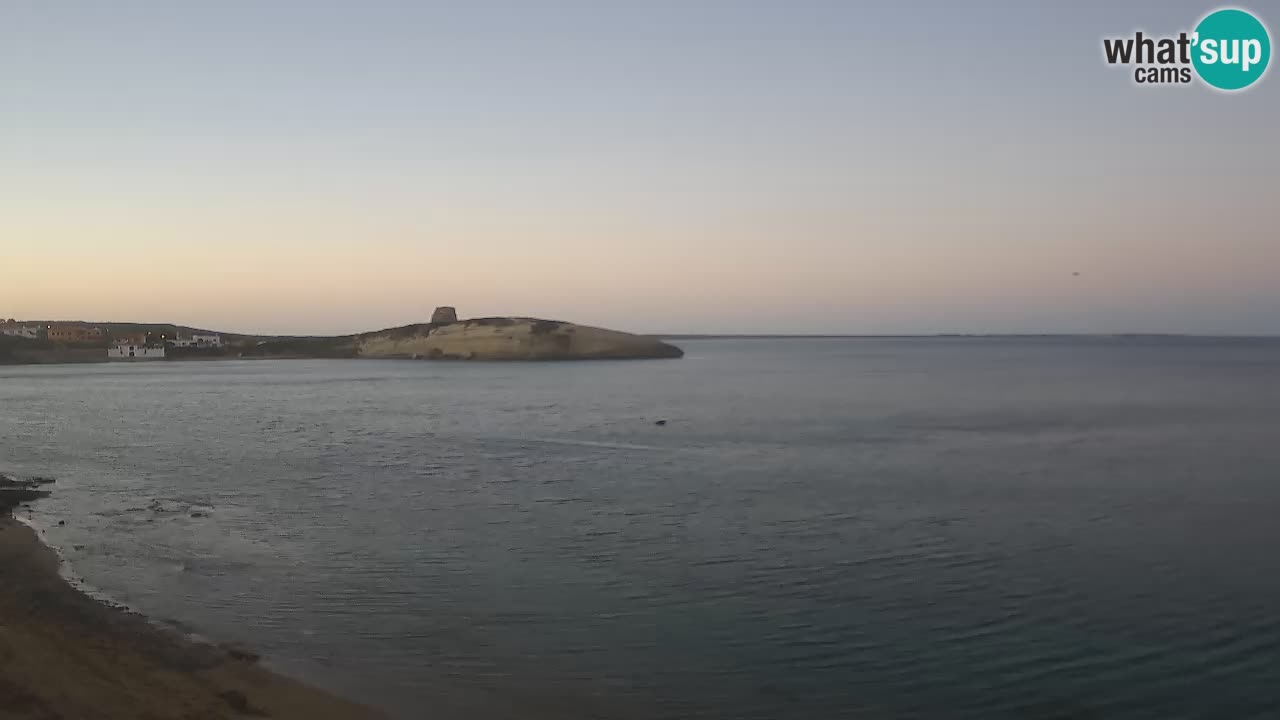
(508, 338)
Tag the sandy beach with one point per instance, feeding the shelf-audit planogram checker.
(65, 655)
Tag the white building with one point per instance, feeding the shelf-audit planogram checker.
(126, 351)
(31, 332)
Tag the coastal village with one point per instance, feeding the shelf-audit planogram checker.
(115, 344)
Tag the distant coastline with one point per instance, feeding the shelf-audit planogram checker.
(445, 337)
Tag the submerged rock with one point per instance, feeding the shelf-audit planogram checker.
(240, 652)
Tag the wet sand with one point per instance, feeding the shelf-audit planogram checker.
(66, 656)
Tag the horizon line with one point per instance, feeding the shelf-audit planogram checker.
(742, 336)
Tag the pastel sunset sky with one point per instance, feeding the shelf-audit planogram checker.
(655, 166)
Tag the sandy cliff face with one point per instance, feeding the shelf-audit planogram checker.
(510, 339)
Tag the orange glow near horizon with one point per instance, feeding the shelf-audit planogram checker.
(708, 188)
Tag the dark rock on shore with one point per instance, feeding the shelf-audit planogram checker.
(15, 492)
(239, 702)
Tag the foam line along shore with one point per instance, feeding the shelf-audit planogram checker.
(64, 654)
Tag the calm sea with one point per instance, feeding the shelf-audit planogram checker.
(870, 528)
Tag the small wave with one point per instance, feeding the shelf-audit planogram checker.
(587, 443)
(67, 572)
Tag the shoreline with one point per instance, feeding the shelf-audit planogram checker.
(65, 654)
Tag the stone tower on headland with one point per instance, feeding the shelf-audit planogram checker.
(444, 314)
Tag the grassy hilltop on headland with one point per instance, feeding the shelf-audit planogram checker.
(498, 338)
(505, 338)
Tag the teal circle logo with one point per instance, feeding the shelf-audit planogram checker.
(1231, 49)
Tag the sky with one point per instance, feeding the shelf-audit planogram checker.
(665, 166)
